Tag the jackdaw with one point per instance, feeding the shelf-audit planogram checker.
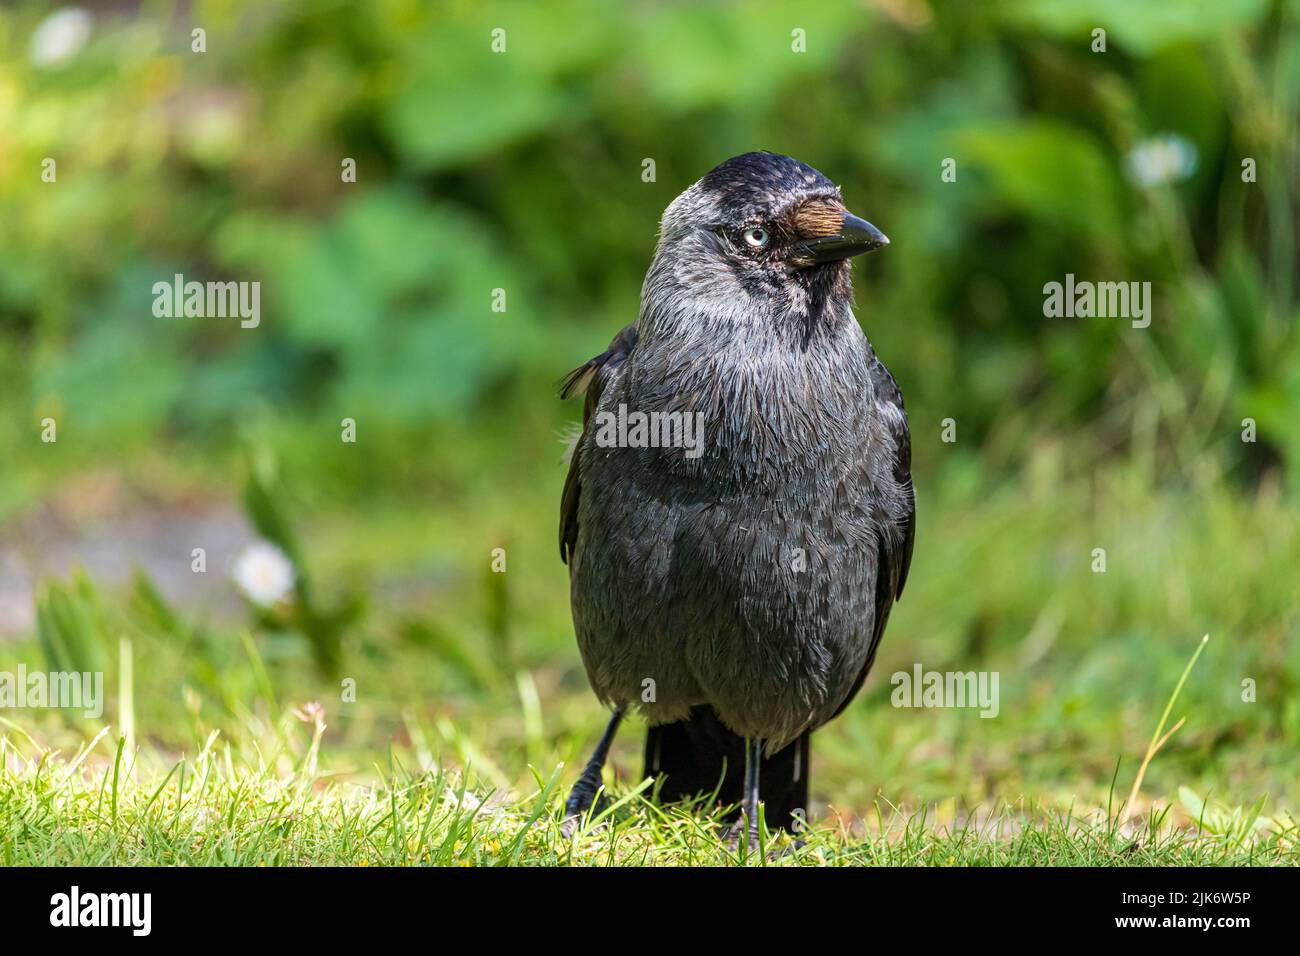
(736, 596)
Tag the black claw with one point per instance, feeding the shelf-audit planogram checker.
(735, 833)
(583, 794)
(586, 793)
(586, 796)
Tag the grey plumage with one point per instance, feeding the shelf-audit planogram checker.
(686, 572)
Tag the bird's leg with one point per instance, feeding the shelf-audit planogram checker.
(583, 794)
(753, 760)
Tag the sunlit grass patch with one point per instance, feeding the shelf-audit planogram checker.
(100, 807)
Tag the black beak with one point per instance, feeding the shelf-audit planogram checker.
(856, 237)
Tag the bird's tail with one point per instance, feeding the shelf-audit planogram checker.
(699, 755)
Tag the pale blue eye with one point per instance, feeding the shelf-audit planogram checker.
(756, 237)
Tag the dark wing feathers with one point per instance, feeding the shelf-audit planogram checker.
(897, 555)
(589, 378)
(894, 545)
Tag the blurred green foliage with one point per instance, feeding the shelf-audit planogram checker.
(521, 170)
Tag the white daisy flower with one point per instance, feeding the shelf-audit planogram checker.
(60, 36)
(1161, 159)
(263, 573)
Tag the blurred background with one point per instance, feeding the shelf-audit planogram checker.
(1170, 157)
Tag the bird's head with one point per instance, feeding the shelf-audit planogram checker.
(767, 230)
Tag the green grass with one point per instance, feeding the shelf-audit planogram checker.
(212, 810)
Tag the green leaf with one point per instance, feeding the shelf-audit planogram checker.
(262, 502)
(1140, 26)
(1047, 171)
